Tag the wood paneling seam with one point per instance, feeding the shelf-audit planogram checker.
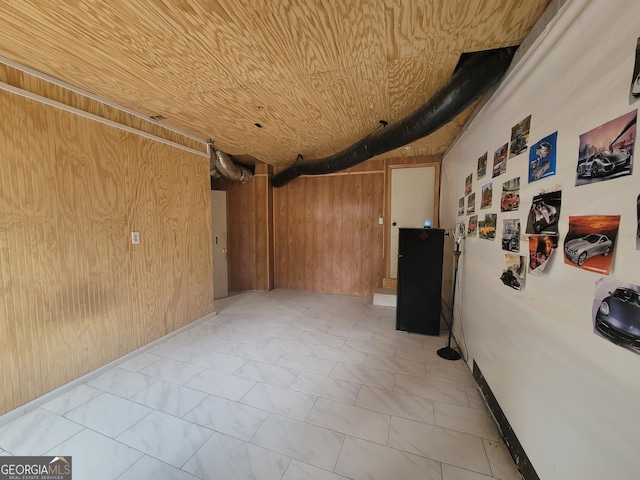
(84, 93)
(96, 118)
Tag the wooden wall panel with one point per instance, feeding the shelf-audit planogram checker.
(75, 293)
(250, 233)
(327, 236)
(241, 236)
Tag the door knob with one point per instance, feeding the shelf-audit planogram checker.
(224, 250)
(394, 224)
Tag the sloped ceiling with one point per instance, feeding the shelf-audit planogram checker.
(317, 75)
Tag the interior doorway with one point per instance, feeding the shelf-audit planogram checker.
(413, 201)
(219, 237)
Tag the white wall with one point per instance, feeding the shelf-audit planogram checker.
(572, 398)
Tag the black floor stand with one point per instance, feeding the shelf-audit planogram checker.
(447, 352)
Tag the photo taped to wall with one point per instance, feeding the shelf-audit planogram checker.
(487, 227)
(606, 152)
(510, 199)
(638, 228)
(511, 235)
(544, 214)
(590, 242)
(500, 160)
(487, 196)
(473, 226)
(519, 137)
(542, 158)
(482, 165)
(634, 90)
(541, 249)
(615, 313)
(471, 204)
(514, 271)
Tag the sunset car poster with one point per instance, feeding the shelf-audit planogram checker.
(541, 249)
(616, 313)
(606, 152)
(590, 242)
(542, 158)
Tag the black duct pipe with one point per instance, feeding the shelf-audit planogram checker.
(474, 77)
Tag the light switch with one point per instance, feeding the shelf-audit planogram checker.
(135, 238)
(380, 221)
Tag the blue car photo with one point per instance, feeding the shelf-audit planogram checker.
(618, 318)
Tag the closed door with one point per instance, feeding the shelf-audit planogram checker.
(412, 202)
(220, 264)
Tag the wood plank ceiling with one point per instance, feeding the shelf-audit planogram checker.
(317, 75)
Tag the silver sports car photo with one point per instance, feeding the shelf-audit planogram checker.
(604, 163)
(579, 249)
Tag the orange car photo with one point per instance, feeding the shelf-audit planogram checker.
(510, 201)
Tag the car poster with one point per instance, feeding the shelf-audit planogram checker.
(473, 226)
(616, 313)
(461, 206)
(482, 165)
(542, 158)
(519, 137)
(500, 160)
(590, 242)
(606, 152)
(471, 204)
(487, 196)
(467, 184)
(487, 227)
(510, 199)
(544, 214)
(541, 249)
(634, 91)
(511, 235)
(638, 230)
(515, 269)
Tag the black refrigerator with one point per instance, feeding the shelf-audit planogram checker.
(420, 254)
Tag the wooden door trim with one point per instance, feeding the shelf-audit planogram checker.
(387, 204)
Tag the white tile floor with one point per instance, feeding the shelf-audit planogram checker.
(279, 385)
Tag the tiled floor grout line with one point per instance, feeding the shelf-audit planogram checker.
(130, 466)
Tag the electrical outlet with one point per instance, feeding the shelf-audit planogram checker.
(135, 238)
